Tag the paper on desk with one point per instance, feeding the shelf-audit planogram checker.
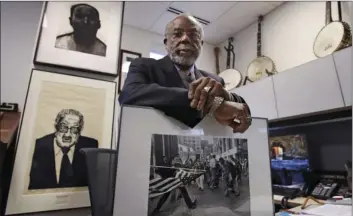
(330, 210)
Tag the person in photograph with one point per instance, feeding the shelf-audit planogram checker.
(199, 181)
(213, 169)
(85, 22)
(57, 161)
(177, 87)
(191, 204)
(229, 175)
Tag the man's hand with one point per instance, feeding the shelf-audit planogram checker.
(199, 96)
(228, 111)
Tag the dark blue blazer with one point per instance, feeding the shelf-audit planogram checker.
(157, 84)
(43, 174)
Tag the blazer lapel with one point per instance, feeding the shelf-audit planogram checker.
(198, 73)
(172, 72)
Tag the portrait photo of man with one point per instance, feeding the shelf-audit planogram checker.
(85, 22)
(57, 161)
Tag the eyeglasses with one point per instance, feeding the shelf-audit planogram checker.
(64, 129)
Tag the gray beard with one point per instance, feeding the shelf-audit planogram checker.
(181, 60)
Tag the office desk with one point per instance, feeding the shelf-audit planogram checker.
(9, 123)
(293, 202)
(298, 209)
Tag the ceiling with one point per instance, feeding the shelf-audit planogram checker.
(226, 18)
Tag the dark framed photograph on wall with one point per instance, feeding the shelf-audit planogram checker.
(126, 58)
(62, 115)
(81, 35)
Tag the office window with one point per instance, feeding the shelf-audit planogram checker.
(156, 56)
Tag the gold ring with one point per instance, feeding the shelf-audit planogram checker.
(207, 89)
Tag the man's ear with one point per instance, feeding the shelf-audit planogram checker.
(165, 41)
(99, 24)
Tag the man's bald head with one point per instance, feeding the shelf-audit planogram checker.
(183, 40)
(189, 18)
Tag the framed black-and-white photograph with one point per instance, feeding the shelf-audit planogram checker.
(200, 173)
(81, 35)
(126, 58)
(168, 168)
(62, 115)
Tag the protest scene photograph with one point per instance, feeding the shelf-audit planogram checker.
(198, 175)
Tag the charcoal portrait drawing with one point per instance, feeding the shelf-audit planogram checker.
(85, 22)
(57, 161)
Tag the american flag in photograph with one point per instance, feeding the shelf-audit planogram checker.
(159, 186)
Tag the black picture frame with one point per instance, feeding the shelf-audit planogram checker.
(121, 56)
(69, 67)
(25, 112)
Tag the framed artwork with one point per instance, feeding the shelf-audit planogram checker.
(81, 35)
(62, 115)
(171, 156)
(126, 58)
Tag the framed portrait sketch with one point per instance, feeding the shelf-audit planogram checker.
(62, 115)
(81, 35)
(126, 58)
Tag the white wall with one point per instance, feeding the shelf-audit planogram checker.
(141, 41)
(19, 26)
(288, 35)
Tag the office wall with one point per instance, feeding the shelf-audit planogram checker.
(19, 26)
(288, 34)
(144, 42)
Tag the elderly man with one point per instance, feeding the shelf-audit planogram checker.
(57, 162)
(175, 86)
(84, 20)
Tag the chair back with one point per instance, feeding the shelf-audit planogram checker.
(101, 170)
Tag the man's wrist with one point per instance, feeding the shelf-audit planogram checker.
(216, 103)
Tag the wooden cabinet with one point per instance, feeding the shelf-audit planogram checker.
(308, 88)
(260, 97)
(343, 62)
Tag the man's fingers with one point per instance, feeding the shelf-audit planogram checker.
(193, 87)
(205, 95)
(197, 92)
(217, 87)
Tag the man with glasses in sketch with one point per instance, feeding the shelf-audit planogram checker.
(57, 161)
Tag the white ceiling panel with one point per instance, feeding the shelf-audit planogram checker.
(143, 14)
(209, 11)
(161, 23)
(227, 18)
(246, 11)
(215, 34)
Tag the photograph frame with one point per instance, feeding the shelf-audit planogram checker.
(121, 62)
(134, 186)
(39, 38)
(52, 198)
(190, 155)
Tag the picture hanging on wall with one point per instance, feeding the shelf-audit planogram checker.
(126, 58)
(62, 115)
(81, 35)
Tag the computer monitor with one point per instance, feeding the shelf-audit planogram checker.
(289, 158)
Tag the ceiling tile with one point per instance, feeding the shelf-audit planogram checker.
(161, 23)
(151, 12)
(246, 11)
(217, 33)
(209, 11)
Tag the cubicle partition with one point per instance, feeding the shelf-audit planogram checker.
(139, 126)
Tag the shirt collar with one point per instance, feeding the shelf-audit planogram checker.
(191, 69)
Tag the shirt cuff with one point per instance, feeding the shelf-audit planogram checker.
(235, 98)
(231, 97)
